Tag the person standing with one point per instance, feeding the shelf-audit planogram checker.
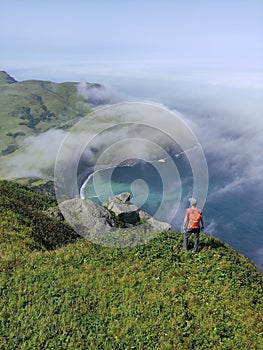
(191, 224)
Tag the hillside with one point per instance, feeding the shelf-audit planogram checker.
(84, 296)
(34, 106)
(39, 185)
(24, 223)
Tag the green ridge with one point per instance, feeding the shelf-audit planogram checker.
(5, 78)
(34, 106)
(85, 296)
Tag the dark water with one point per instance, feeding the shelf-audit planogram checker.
(231, 216)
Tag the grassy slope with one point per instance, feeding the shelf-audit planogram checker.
(42, 186)
(24, 224)
(154, 296)
(34, 106)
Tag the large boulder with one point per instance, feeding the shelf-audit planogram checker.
(124, 210)
(128, 213)
(154, 225)
(86, 217)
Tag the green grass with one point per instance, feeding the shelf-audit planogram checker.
(37, 184)
(31, 107)
(153, 296)
(25, 224)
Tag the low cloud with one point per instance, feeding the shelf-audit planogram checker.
(97, 94)
(36, 157)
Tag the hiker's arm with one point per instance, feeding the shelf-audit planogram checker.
(185, 220)
(185, 223)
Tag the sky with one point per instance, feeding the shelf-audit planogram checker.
(82, 39)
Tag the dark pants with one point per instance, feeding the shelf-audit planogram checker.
(196, 232)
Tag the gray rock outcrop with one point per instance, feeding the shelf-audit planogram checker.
(120, 205)
(117, 213)
(128, 213)
(86, 217)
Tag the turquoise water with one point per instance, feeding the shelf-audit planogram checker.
(143, 182)
(153, 188)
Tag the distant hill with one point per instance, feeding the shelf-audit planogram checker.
(34, 106)
(59, 291)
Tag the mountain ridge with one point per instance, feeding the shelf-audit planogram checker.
(5, 78)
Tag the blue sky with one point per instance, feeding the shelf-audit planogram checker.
(63, 39)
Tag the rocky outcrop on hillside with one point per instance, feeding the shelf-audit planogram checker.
(123, 209)
(117, 213)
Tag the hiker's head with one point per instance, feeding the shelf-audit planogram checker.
(192, 201)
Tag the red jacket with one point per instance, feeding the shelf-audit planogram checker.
(194, 216)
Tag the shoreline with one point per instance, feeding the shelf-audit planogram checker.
(127, 164)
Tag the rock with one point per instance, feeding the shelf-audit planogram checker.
(122, 208)
(152, 224)
(55, 212)
(157, 226)
(144, 216)
(86, 217)
(129, 217)
(123, 197)
(117, 214)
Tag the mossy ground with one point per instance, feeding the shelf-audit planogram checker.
(152, 296)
